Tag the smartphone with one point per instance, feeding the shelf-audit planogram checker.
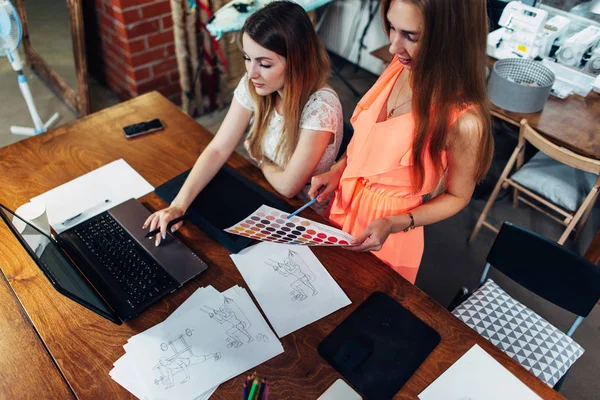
(142, 128)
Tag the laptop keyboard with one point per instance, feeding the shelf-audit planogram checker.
(125, 260)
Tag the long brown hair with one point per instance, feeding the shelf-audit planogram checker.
(284, 28)
(449, 72)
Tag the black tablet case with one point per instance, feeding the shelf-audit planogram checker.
(226, 200)
(379, 346)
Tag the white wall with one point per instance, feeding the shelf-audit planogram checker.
(340, 36)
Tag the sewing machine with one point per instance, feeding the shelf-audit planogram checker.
(578, 45)
(521, 33)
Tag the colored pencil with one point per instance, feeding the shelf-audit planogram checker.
(254, 389)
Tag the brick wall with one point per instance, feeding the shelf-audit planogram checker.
(138, 47)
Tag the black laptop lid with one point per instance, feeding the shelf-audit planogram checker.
(226, 200)
(55, 265)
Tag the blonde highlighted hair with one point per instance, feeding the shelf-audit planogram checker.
(284, 28)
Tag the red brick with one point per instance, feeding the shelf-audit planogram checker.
(142, 28)
(174, 76)
(121, 30)
(166, 22)
(170, 50)
(106, 32)
(147, 57)
(106, 22)
(122, 57)
(165, 66)
(125, 4)
(113, 60)
(110, 12)
(115, 71)
(160, 39)
(130, 47)
(139, 74)
(127, 17)
(170, 91)
(156, 9)
(153, 84)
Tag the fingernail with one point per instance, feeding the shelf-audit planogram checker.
(156, 244)
(164, 237)
(172, 230)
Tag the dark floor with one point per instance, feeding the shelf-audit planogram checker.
(448, 263)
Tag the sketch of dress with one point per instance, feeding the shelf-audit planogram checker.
(180, 361)
(293, 265)
(231, 315)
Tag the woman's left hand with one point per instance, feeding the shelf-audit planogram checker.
(373, 237)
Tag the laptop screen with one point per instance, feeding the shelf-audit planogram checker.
(55, 265)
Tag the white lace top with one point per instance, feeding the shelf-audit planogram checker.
(322, 112)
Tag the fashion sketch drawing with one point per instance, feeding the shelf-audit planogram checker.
(179, 362)
(294, 267)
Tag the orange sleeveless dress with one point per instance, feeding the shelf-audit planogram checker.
(377, 180)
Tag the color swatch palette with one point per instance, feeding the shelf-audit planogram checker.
(268, 224)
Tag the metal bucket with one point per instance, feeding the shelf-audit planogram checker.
(520, 85)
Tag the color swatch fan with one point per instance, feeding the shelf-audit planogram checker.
(268, 224)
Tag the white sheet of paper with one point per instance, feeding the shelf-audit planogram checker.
(290, 284)
(477, 376)
(125, 375)
(203, 347)
(269, 224)
(340, 390)
(87, 194)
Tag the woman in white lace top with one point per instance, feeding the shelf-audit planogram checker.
(296, 121)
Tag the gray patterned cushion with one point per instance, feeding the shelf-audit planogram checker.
(532, 341)
(557, 182)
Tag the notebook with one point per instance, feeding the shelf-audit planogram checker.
(106, 264)
(227, 199)
(379, 346)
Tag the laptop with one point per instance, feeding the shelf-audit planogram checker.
(106, 264)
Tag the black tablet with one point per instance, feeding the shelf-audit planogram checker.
(226, 200)
(379, 346)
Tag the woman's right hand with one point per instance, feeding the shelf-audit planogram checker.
(322, 185)
(161, 219)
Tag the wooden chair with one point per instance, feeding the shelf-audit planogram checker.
(550, 157)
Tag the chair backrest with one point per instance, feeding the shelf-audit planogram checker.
(546, 268)
(558, 153)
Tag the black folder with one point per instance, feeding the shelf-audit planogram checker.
(379, 346)
(227, 199)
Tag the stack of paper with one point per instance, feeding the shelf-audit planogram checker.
(292, 287)
(210, 338)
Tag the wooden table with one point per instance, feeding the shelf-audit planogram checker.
(573, 122)
(84, 345)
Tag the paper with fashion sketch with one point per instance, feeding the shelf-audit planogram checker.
(269, 224)
(477, 376)
(124, 373)
(86, 196)
(290, 284)
(222, 336)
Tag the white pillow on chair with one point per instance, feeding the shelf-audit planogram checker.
(536, 344)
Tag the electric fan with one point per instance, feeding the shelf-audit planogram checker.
(10, 37)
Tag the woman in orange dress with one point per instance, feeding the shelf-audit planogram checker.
(425, 122)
